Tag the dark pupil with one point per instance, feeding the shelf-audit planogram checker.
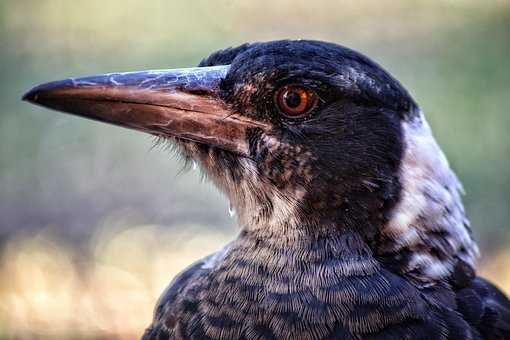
(292, 99)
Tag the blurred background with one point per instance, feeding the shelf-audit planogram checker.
(95, 221)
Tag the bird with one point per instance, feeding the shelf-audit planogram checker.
(351, 221)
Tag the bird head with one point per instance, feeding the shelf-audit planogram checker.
(302, 136)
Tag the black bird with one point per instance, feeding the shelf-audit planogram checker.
(352, 225)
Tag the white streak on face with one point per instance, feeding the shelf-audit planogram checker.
(249, 197)
(284, 210)
(430, 214)
(243, 196)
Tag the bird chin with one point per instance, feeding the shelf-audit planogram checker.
(190, 151)
(198, 155)
(226, 170)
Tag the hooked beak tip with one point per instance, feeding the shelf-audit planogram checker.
(30, 96)
(34, 94)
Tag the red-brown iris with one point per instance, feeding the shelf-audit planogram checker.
(295, 101)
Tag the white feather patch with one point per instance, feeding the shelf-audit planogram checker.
(429, 218)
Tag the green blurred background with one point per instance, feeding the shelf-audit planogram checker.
(94, 222)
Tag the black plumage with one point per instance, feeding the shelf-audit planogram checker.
(351, 221)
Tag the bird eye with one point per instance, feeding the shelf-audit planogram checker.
(295, 100)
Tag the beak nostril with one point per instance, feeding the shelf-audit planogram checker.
(198, 91)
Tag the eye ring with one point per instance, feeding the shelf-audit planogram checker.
(295, 101)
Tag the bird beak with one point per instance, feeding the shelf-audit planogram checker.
(182, 103)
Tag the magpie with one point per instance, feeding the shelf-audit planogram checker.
(351, 220)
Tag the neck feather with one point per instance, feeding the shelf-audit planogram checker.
(428, 232)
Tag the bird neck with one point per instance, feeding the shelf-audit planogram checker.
(306, 281)
(415, 226)
(296, 249)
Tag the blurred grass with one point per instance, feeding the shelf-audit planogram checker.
(52, 290)
(82, 249)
